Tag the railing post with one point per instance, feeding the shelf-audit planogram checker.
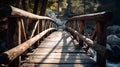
(74, 27)
(101, 39)
(40, 25)
(81, 30)
(43, 23)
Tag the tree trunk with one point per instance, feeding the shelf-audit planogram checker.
(24, 5)
(43, 7)
(19, 3)
(36, 3)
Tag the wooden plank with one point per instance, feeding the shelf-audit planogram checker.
(72, 56)
(59, 61)
(59, 65)
(58, 51)
(43, 54)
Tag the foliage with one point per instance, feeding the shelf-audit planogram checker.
(73, 7)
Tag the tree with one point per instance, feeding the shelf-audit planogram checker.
(36, 4)
(43, 7)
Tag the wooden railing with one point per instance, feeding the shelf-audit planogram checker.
(24, 30)
(76, 25)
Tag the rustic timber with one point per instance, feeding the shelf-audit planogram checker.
(16, 12)
(11, 54)
(101, 18)
(58, 51)
(101, 39)
(81, 30)
(49, 45)
(99, 48)
(10, 11)
(95, 16)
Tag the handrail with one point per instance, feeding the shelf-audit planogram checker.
(99, 48)
(17, 18)
(77, 30)
(11, 54)
(95, 16)
(11, 11)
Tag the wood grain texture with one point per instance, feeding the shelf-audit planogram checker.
(58, 50)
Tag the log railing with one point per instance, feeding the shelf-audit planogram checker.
(24, 30)
(76, 25)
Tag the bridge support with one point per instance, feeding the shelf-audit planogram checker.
(101, 39)
(81, 30)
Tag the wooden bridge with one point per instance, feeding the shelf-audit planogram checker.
(47, 46)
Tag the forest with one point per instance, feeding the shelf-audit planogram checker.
(61, 13)
(67, 8)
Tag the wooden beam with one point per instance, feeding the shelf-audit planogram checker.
(101, 39)
(95, 16)
(10, 11)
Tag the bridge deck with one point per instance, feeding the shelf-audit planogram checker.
(58, 50)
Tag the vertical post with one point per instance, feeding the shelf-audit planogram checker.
(72, 22)
(23, 31)
(43, 23)
(101, 39)
(19, 37)
(38, 30)
(81, 30)
(40, 26)
(75, 24)
(47, 21)
(75, 27)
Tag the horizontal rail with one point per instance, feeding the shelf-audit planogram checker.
(95, 16)
(99, 48)
(13, 53)
(10, 11)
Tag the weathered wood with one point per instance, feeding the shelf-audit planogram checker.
(23, 28)
(81, 30)
(60, 65)
(101, 39)
(60, 50)
(19, 31)
(34, 29)
(95, 16)
(99, 48)
(43, 25)
(11, 11)
(11, 54)
(75, 24)
(16, 12)
(61, 61)
(101, 18)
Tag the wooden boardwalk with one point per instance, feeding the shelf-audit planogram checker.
(58, 50)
